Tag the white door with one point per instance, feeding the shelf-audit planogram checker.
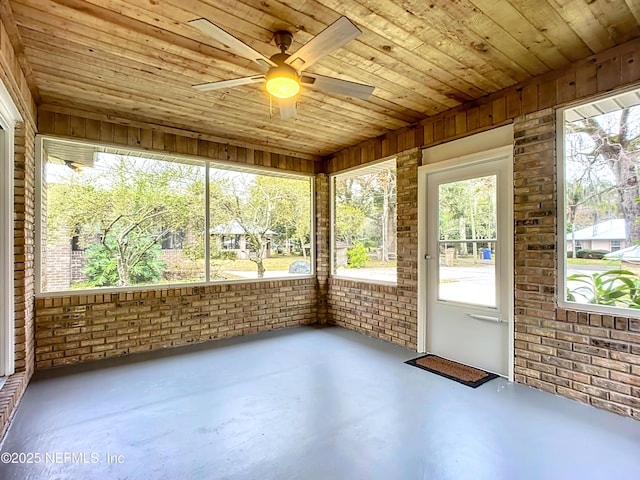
(469, 258)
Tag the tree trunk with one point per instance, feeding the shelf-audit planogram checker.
(123, 273)
(462, 228)
(261, 268)
(391, 230)
(614, 149)
(385, 231)
(474, 245)
(628, 194)
(304, 250)
(257, 256)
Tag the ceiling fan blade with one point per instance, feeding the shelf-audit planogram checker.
(230, 42)
(336, 85)
(287, 107)
(236, 82)
(331, 38)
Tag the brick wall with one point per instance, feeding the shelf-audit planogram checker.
(584, 356)
(589, 357)
(10, 395)
(323, 216)
(24, 205)
(24, 246)
(376, 310)
(79, 328)
(382, 311)
(58, 269)
(24, 287)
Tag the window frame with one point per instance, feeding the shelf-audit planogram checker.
(332, 223)
(561, 243)
(207, 164)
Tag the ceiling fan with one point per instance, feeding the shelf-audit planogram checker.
(284, 76)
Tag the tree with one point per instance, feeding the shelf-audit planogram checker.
(386, 180)
(127, 205)
(293, 217)
(608, 147)
(366, 209)
(350, 222)
(259, 204)
(467, 211)
(452, 211)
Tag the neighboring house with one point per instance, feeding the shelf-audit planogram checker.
(610, 235)
(232, 237)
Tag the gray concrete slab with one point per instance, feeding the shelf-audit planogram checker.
(303, 403)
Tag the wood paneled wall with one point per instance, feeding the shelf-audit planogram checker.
(12, 76)
(147, 138)
(595, 75)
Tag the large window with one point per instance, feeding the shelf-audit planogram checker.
(112, 218)
(364, 223)
(601, 202)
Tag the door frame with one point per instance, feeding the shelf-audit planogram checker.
(9, 116)
(494, 144)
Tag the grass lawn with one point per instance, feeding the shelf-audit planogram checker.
(280, 262)
(379, 264)
(593, 261)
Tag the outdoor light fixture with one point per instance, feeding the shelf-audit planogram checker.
(283, 82)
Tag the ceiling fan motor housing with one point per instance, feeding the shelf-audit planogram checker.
(283, 40)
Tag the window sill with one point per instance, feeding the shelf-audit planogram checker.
(166, 286)
(599, 309)
(366, 280)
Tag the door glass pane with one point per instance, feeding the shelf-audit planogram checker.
(467, 223)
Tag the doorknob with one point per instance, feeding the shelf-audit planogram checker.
(486, 318)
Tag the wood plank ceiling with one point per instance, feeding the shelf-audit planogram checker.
(137, 59)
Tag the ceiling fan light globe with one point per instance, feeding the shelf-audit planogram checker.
(283, 87)
(283, 82)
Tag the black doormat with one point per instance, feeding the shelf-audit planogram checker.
(464, 374)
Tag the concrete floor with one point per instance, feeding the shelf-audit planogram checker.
(303, 403)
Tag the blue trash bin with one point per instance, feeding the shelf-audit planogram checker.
(486, 254)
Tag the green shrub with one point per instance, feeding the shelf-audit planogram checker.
(102, 268)
(227, 255)
(594, 254)
(357, 256)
